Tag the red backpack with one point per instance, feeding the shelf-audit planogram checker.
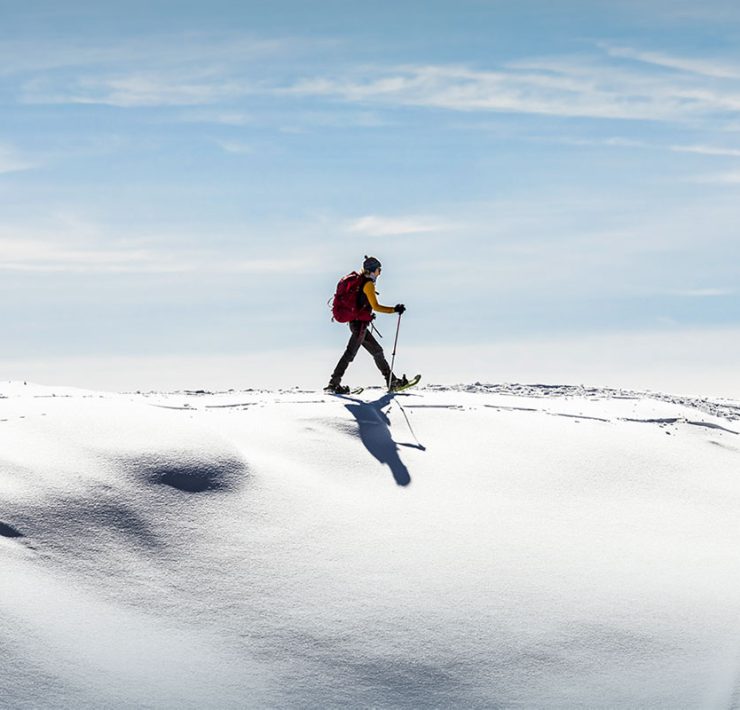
(346, 304)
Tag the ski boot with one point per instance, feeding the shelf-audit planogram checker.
(398, 383)
(331, 388)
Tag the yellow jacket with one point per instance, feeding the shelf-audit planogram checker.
(372, 298)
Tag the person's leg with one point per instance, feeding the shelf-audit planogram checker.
(358, 329)
(375, 349)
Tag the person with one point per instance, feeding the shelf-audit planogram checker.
(361, 335)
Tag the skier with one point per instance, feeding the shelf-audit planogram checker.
(361, 335)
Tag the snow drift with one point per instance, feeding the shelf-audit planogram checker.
(534, 547)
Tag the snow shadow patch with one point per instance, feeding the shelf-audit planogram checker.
(84, 525)
(191, 475)
(8, 530)
(375, 434)
(369, 678)
(190, 480)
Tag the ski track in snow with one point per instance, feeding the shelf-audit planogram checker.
(537, 546)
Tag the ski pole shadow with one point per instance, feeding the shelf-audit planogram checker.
(375, 434)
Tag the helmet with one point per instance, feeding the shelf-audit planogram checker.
(370, 264)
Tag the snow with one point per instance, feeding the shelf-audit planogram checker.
(535, 546)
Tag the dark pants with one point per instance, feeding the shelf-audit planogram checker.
(361, 336)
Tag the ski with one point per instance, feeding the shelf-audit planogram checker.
(411, 383)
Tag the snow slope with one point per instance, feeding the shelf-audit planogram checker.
(534, 547)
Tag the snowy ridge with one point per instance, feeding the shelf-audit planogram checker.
(536, 546)
(724, 409)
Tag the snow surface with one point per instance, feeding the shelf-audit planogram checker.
(535, 547)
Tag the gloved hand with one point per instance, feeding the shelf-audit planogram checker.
(399, 308)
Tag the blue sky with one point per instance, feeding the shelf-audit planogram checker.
(185, 180)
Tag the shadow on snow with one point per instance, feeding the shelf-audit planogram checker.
(375, 434)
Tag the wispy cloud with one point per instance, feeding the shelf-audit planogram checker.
(380, 226)
(507, 90)
(142, 89)
(191, 49)
(717, 69)
(234, 147)
(11, 160)
(617, 142)
(726, 178)
(707, 150)
(703, 292)
(214, 116)
(76, 246)
(193, 69)
(50, 257)
(289, 265)
(207, 71)
(589, 85)
(614, 142)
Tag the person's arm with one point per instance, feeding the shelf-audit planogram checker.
(369, 290)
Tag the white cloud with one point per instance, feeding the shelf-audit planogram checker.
(142, 89)
(48, 257)
(192, 69)
(728, 178)
(617, 142)
(75, 246)
(192, 49)
(580, 86)
(706, 150)
(12, 161)
(704, 292)
(305, 121)
(202, 70)
(223, 118)
(716, 69)
(289, 265)
(24, 254)
(378, 226)
(463, 89)
(234, 147)
(457, 89)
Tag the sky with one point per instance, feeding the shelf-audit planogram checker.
(552, 188)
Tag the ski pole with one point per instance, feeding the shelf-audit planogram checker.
(393, 357)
